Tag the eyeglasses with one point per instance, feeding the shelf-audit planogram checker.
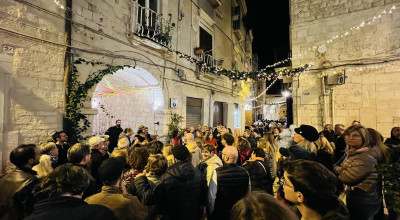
(283, 183)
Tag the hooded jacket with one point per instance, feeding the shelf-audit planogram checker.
(178, 194)
(213, 163)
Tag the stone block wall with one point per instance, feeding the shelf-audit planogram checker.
(365, 51)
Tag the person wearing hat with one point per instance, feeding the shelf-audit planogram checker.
(111, 195)
(96, 159)
(178, 195)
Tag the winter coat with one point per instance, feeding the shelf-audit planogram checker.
(124, 207)
(114, 133)
(178, 194)
(339, 213)
(260, 176)
(65, 207)
(243, 156)
(16, 199)
(95, 161)
(212, 163)
(358, 172)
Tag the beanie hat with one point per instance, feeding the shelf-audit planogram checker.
(111, 169)
(180, 152)
(308, 132)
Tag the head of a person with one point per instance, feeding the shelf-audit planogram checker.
(395, 133)
(189, 137)
(252, 127)
(25, 155)
(305, 132)
(280, 127)
(96, 142)
(65, 180)
(60, 137)
(175, 134)
(181, 153)
(328, 127)
(167, 150)
(49, 148)
(110, 170)
(138, 158)
(128, 132)
(268, 136)
(229, 155)
(276, 131)
(199, 134)
(261, 205)
(79, 153)
(118, 123)
(219, 126)
(237, 132)
(156, 148)
(191, 129)
(205, 128)
(258, 152)
(120, 153)
(227, 139)
(355, 122)
(44, 167)
(357, 136)
(123, 143)
(146, 130)
(156, 165)
(247, 133)
(209, 136)
(243, 144)
(106, 140)
(207, 151)
(339, 129)
(199, 127)
(311, 184)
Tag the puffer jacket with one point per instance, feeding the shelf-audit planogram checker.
(178, 195)
(260, 177)
(213, 163)
(358, 172)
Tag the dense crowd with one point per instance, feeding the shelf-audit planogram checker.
(268, 171)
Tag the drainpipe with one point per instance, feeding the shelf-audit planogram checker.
(210, 120)
(68, 56)
(332, 108)
(323, 101)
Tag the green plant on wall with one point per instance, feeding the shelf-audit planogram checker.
(173, 125)
(75, 123)
(390, 174)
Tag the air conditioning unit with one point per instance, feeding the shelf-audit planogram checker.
(337, 79)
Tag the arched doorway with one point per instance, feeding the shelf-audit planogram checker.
(132, 95)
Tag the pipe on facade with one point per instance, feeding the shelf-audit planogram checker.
(210, 110)
(68, 56)
(332, 108)
(323, 101)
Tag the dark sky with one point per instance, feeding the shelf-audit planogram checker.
(269, 21)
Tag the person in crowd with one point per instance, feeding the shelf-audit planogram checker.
(229, 130)
(193, 149)
(59, 196)
(96, 158)
(16, 201)
(267, 144)
(257, 167)
(44, 167)
(340, 144)
(176, 138)
(209, 161)
(328, 133)
(141, 138)
(217, 135)
(199, 136)
(377, 140)
(244, 149)
(248, 135)
(111, 195)
(167, 152)
(394, 143)
(126, 134)
(261, 205)
(305, 136)
(156, 148)
(137, 160)
(106, 143)
(357, 170)
(61, 138)
(276, 132)
(178, 194)
(228, 183)
(311, 187)
(122, 148)
(50, 149)
(114, 133)
(324, 152)
(211, 141)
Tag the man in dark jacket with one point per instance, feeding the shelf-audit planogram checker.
(16, 199)
(228, 184)
(114, 133)
(96, 158)
(61, 138)
(179, 193)
(60, 193)
(258, 169)
(340, 144)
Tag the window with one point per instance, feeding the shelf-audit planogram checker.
(206, 41)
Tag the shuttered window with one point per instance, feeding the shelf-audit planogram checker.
(194, 108)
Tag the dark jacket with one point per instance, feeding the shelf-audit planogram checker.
(95, 161)
(177, 195)
(114, 133)
(68, 208)
(62, 153)
(260, 177)
(252, 142)
(340, 146)
(16, 199)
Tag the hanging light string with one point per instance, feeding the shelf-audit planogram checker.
(265, 91)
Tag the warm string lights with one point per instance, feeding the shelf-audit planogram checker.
(58, 3)
(263, 93)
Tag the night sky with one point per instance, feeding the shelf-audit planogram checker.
(269, 21)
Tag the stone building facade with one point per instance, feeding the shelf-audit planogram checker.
(359, 39)
(33, 54)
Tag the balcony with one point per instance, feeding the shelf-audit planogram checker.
(147, 23)
(238, 29)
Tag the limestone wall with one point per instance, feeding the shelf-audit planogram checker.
(371, 91)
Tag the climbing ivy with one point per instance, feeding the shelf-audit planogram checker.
(75, 123)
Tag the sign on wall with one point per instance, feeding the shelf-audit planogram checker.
(174, 103)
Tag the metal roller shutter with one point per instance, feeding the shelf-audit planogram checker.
(193, 111)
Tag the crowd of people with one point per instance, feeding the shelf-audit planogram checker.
(268, 171)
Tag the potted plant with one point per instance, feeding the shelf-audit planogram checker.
(198, 51)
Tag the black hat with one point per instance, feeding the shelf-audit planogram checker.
(180, 152)
(111, 169)
(308, 132)
(296, 152)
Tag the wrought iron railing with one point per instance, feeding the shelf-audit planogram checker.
(149, 24)
(207, 59)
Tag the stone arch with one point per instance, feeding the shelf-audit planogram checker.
(133, 95)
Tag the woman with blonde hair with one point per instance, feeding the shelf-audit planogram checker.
(44, 167)
(167, 152)
(377, 140)
(267, 144)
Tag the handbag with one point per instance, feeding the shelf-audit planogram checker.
(343, 196)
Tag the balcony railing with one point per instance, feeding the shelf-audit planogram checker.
(149, 24)
(207, 59)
